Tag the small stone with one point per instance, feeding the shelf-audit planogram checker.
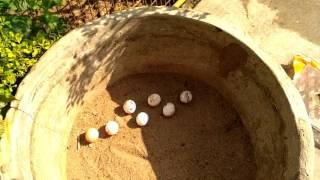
(82, 2)
(76, 12)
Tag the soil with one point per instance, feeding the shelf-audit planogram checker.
(204, 139)
(79, 12)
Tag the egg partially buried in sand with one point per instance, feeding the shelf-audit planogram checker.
(168, 109)
(142, 119)
(129, 106)
(112, 128)
(154, 100)
(92, 135)
(186, 97)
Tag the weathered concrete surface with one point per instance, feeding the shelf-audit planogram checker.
(281, 28)
(149, 40)
(317, 164)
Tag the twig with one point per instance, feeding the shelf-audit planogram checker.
(78, 143)
(137, 3)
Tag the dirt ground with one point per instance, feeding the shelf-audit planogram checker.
(281, 28)
(79, 12)
(203, 139)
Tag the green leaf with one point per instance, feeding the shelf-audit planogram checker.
(10, 54)
(22, 41)
(5, 96)
(18, 37)
(7, 4)
(10, 78)
(35, 52)
(27, 51)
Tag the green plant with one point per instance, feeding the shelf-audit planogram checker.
(23, 39)
(5, 126)
(18, 52)
(37, 10)
(27, 5)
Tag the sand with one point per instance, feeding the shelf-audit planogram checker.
(203, 140)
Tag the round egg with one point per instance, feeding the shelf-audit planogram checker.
(154, 100)
(168, 109)
(142, 119)
(129, 106)
(92, 135)
(186, 97)
(112, 128)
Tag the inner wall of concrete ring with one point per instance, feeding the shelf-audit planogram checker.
(144, 40)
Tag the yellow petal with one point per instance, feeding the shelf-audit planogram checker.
(298, 64)
(315, 64)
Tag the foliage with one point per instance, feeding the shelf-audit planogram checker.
(27, 30)
(24, 11)
(23, 39)
(5, 125)
(27, 5)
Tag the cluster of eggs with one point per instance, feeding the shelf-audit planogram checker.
(92, 134)
(142, 118)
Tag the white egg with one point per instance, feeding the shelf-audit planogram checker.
(112, 128)
(92, 135)
(129, 106)
(154, 100)
(186, 97)
(142, 119)
(168, 109)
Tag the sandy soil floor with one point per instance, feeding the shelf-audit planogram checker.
(203, 139)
